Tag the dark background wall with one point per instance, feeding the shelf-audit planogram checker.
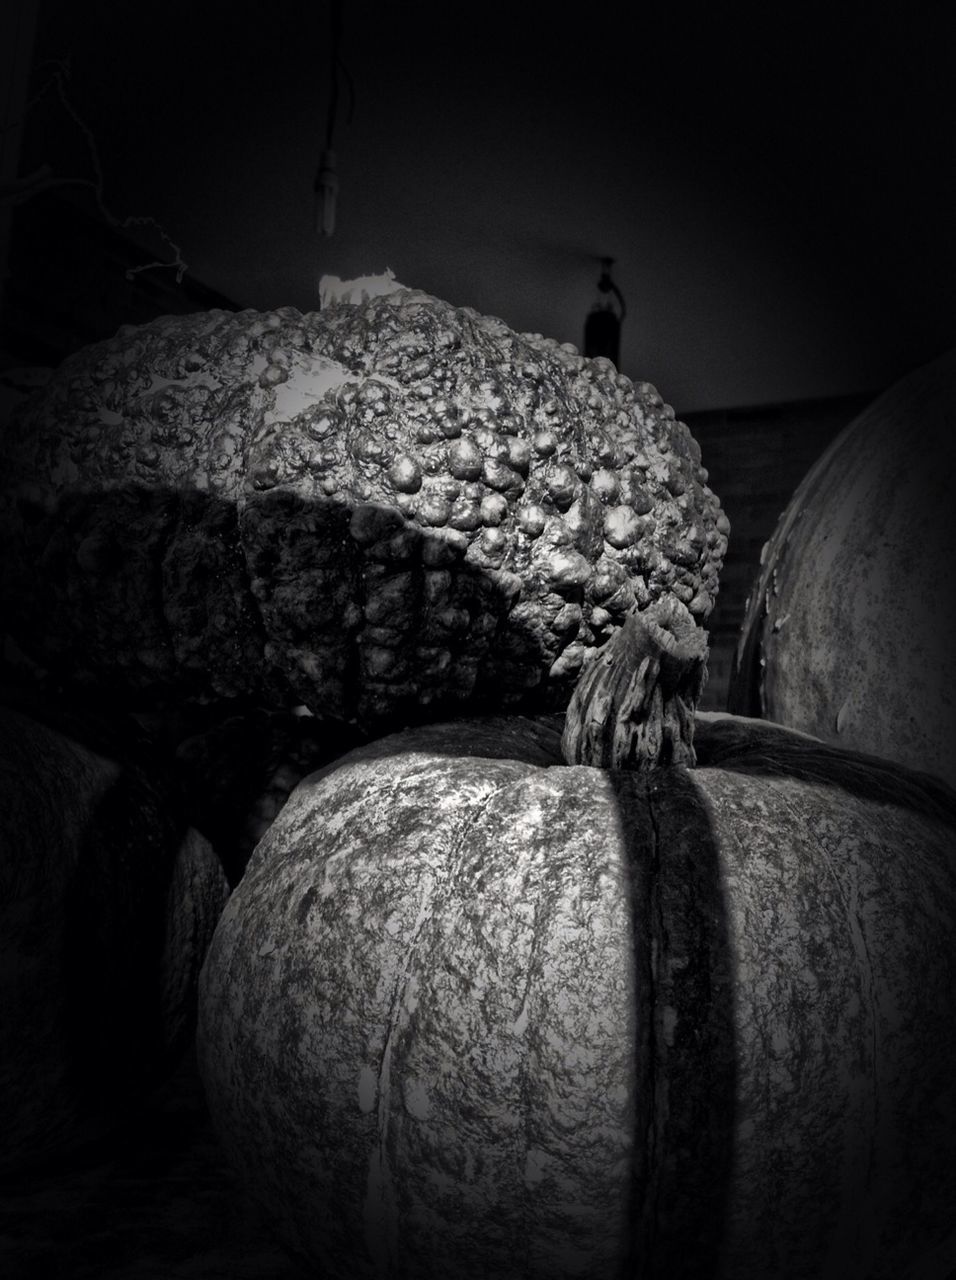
(777, 185)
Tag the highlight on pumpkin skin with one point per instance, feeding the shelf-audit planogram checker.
(633, 707)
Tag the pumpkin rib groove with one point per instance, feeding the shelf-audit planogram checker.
(152, 547)
(246, 516)
(164, 543)
(166, 552)
(252, 603)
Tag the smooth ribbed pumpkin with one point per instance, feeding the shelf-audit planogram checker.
(107, 904)
(473, 1012)
(849, 630)
(382, 508)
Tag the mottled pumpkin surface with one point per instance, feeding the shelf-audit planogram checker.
(376, 509)
(107, 905)
(849, 631)
(472, 1012)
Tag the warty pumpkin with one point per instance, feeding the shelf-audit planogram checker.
(108, 900)
(378, 509)
(849, 629)
(475, 1011)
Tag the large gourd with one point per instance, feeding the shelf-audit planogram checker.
(379, 510)
(474, 1012)
(849, 630)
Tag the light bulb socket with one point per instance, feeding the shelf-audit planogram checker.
(326, 188)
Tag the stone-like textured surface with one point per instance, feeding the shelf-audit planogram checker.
(107, 904)
(374, 509)
(849, 629)
(471, 1012)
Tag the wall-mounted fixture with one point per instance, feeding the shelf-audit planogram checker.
(602, 328)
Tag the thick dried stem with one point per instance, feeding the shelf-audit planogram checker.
(633, 707)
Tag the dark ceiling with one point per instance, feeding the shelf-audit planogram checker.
(778, 192)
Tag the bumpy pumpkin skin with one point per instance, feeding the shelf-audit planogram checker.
(373, 510)
(474, 1013)
(107, 906)
(849, 630)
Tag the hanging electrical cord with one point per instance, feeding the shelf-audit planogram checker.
(326, 187)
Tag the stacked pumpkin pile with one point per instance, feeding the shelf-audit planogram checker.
(548, 975)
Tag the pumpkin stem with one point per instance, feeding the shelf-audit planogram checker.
(633, 707)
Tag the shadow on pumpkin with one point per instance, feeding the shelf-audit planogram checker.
(681, 1196)
(210, 623)
(151, 597)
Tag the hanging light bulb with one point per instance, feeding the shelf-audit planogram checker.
(326, 190)
(326, 185)
(602, 328)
